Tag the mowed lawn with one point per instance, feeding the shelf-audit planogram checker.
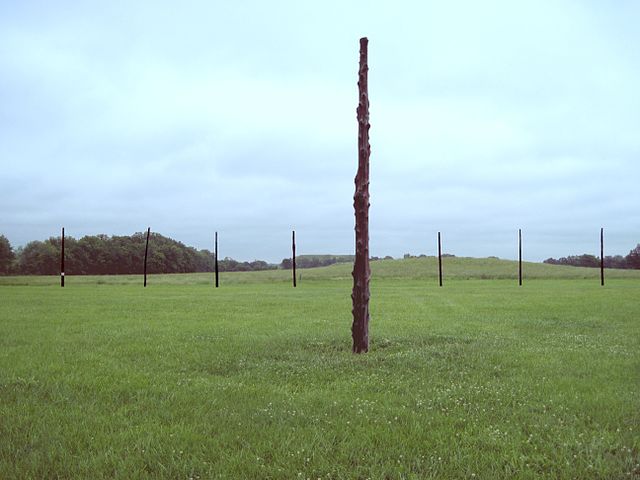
(478, 379)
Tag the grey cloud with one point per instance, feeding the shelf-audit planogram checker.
(241, 117)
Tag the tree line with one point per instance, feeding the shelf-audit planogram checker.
(631, 261)
(111, 255)
(312, 261)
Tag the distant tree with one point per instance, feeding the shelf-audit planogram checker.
(312, 261)
(7, 256)
(633, 259)
(204, 261)
(39, 258)
(617, 261)
(104, 255)
(94, 255)
(286, 264)
(227, 264)
(259, 265)
(585, 260)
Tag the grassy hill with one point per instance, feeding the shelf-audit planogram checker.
(426, 268)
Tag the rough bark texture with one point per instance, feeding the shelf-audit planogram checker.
(602, 257)
(146, 251)
(361, 269)
(520, 257)
(293, 257)
(215, 261)
(62, 260)
(439, 260)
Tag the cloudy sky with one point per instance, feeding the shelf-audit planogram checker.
(197, 116)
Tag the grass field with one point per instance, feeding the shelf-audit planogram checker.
(478, 379)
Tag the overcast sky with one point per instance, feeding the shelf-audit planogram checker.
(191, 117)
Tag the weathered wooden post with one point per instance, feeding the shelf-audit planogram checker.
(361, 269)
(439, 260)
(146, 251)
(215, 262)
(293, 257)
(602, 256)
(62, 260)
(520, 257)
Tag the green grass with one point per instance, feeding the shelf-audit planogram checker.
(478, 379)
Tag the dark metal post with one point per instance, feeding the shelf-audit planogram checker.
(439, 259)
(215, 262)
(602, 257)
(62, 260)
(361, 269)
(293, 258)
(146, 251)
(519, 257)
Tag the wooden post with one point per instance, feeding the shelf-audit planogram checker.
(361, 269)
(439, 259)
(293, 258)
(146, 251)
(215, 262)
(602, 256)
(520, 257)
(62, 260)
